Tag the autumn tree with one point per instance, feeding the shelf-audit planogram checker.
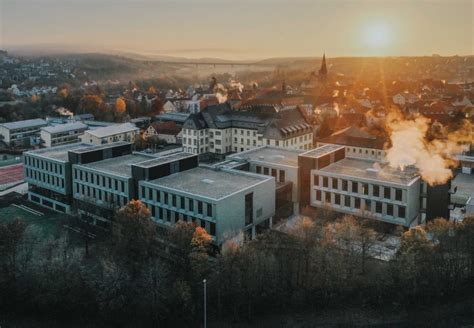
(120, 106)
(134, 237)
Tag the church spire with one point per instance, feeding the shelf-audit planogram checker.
(323, 70)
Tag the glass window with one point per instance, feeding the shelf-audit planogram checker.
(209, 210)
(390, 209)
(191, 204)
(357, 202)
(266, 171)
(325, 182)
(386, 192)
(376, 191)
(316, 180)
(398, 194)
(213, 229)
(378, 207)
(347, 201)
(365, 188)
(344, 185)
(282, 176)
(337, 199)
(334, 183)
(318, 195)
(355, 186)
(368, 205)
(327, 197)
(401, 212)
(274, 173)
(199, 207)
(258, 169)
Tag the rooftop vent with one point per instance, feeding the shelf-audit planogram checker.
(261, 158)
(208, 181)
(372, 170)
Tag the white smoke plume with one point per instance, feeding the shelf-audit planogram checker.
(433, 158)
(64, 111)
(221, 98)
(221, 93)
(236, 85)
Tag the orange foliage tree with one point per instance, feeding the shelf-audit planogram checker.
(120, 105)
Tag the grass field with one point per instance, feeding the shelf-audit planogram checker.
(50, 223)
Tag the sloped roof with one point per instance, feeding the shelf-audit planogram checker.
(266, 119)
(65, 127)
(354, 137)
(166, 128)
(112, 130)
(24, 124)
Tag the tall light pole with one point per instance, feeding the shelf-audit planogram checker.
(205, 312)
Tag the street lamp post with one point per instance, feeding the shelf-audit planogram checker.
(205, 312)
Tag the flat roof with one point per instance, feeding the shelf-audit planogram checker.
(24, 124)
(321, 151)
(165, 159)
(65, 127)
(60, 152)
(113, 129)
(372, 170)
(465, 188)
(271, 155)
(121, 165)
(206, 182)
(92, 147)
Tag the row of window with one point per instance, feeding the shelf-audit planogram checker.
(359, 150)
(360, 203)
(99, 194)
(166, 215)
(176, 201)
(44, 165)
(44, 177)
(279, 175)
(357, 187)
(24, 130)
(99, 180)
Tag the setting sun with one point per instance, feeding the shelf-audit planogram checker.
(377, 36)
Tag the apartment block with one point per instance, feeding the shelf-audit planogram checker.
(127, 132)
(62, 134)
(19, 132)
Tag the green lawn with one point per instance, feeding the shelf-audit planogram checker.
(50, 223)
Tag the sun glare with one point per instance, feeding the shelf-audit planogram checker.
(377, 36)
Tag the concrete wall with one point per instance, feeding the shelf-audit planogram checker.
(231, 210)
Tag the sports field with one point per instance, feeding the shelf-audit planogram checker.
(11, 174)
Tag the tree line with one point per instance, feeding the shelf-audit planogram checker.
(140, 276)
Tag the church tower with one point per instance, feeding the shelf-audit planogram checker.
(323, 71)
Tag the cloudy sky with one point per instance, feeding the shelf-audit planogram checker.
(242, 29)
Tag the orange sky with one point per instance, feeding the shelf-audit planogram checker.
(243, 29)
